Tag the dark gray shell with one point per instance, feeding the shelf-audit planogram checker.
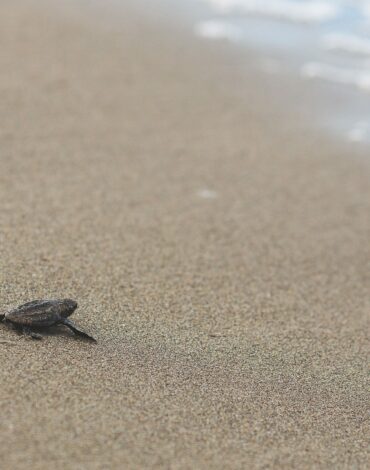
(41, 313)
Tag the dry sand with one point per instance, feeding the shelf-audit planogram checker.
(232, 328)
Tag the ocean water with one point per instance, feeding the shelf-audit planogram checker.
(325, 41)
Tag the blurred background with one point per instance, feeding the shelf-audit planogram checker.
(321, 40)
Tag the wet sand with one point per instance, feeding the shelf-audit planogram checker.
(218, 249)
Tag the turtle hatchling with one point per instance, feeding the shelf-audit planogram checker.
(41, 314)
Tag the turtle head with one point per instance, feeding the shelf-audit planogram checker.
(68, 306)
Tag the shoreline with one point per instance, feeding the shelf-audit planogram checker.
(217, 247)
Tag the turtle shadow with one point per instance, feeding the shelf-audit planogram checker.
(64, 332)
(49, 332)
(53, 331)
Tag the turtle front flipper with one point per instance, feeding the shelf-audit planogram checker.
(76, 330)
(2, 316)
(28, 332)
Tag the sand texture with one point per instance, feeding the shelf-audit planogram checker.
(218, 249)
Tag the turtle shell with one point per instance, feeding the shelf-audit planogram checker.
(41, 313)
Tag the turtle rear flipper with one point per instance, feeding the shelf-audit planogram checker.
(76, 330)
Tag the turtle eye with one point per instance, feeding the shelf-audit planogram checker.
(72, 304)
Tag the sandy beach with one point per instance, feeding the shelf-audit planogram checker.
(217, 246)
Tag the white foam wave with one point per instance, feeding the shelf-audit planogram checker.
(215, 29)
(355, 77)
(304, 11)
(349, 43)
(360, 132)
(207, 193)
(366, 10)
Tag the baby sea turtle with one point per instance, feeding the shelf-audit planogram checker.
(42, 314)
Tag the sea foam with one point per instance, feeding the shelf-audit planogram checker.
(217, 29)
(357, 77)
(306, 12)
(349, 43)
